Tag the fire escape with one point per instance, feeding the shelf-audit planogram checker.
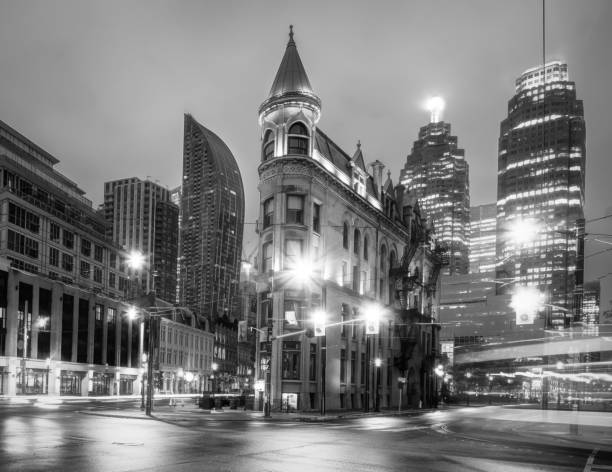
(411, 319)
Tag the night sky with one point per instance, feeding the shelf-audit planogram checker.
(103, 85)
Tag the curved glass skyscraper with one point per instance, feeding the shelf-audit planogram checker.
(212, 219)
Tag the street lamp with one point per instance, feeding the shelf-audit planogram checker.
(372, 313)
(319, 318)
(377, 363)
(523, 231)
(214, 366)
(146, 316)
(142, 379)
(526, 302)
(468, 376)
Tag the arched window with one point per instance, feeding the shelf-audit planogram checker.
(356, 241)
(297, 141)
(268, 146)
(345, 235)
(365, 248)
(383, 258)
(392, 260)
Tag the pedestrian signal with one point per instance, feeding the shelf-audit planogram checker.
(372, 327)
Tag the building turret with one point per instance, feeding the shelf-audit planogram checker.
(289, 115)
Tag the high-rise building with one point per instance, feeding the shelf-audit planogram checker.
(212, 219)
(142, 217)
(483, 226)
(333, 239)
(437, 172)
(591, 297)
(540, 189)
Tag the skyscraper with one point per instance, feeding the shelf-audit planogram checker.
(540, 189)
(483, 225)
(437, 172)
(212, 219)
(142, 217)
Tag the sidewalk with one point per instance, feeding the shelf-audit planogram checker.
(189, 411)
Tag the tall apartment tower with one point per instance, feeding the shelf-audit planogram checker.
(483, 226)
(541, 170)
(437, 172)
(142, 217)
(212, 219)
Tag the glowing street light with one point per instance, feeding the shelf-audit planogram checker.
(132, 313)
(318, 319)
(136, 260)
(527, 301)
(523, 231)
(377, 363)
(372, 314)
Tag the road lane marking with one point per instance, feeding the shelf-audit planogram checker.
(591, 459)
(602, 467)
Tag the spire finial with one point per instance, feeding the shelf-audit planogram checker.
(290, 33)
(359, 144)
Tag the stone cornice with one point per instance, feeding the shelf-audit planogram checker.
(270, 169)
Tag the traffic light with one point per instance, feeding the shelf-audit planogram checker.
(318, 319)
(372, 319)
(372, 326)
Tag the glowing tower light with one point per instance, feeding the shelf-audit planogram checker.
(527, 301)
(435, 105)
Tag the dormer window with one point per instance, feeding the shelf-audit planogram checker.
(268, 146)
(297, 141)
(359, 182)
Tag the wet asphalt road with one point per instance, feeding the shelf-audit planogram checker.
(83, 438)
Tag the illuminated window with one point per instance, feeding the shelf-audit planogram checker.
(297, 141)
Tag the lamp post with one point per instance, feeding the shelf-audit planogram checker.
(319, 318)
(142, 381)
(377, 363)
(468, 376)
(136, 260)
(372, 327)
(147, 317)
(214, 366)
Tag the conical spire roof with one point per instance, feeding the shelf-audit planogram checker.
(291, 78)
